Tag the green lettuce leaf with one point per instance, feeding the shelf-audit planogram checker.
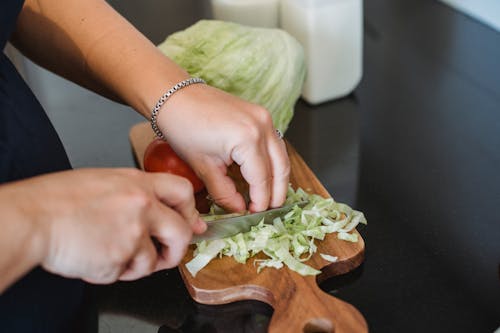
(263, 66)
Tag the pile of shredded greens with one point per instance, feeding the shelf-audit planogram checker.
(288, 240)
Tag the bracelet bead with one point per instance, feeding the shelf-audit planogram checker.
(163, 99)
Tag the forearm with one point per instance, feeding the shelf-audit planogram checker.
(21, 244)
(92, 45)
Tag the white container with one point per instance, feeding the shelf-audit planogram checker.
(331, 32)
(257, 13)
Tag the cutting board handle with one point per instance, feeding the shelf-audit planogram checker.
(305, 308)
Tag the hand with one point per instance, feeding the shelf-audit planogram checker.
(211, 129)
(98, 223)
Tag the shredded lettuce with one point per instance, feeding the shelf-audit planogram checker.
(328, 257)
(289, 240)
(205, 253)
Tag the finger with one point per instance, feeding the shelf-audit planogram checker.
(173, 235)
(142, 263)
(255, 168)
(106, 275)
(220, 186)
(177, 193)
(280, 165)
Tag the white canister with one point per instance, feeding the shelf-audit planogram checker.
(257, 13)
(331, 32)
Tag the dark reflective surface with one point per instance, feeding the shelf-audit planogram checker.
(161, 304)
(417, 148)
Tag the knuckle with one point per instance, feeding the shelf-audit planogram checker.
(186, 188)
(184, 192)
(263, 116)
(251, 133)
(132, 172)
(118, 255)
(136, 231)
(139, 199)
(254, 127)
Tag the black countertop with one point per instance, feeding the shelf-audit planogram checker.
(416, 147)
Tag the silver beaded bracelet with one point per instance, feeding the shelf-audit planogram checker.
(163, 99)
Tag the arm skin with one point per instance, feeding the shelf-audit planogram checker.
(87, 42)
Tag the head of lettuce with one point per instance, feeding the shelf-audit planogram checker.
(262, 66)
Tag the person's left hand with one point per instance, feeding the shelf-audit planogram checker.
(211, 129)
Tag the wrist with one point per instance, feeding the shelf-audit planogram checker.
(169, 93)
(31, 218)
(22, 240)
(156, 82)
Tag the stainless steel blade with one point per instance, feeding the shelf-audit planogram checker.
(231, 226)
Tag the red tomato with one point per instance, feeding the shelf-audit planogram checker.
(160, 157)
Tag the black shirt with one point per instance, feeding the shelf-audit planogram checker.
(29, 146)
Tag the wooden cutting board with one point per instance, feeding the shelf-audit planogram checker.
(299, 304)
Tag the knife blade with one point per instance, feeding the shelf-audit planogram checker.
(227, 227)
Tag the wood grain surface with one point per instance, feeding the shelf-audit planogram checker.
(299, 304)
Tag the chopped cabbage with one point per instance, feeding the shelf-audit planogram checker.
(287, 241)
(328, 257)
(263, 66)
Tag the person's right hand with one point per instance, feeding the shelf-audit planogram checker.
(98, 224)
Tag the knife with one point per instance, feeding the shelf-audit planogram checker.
(227, 227)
